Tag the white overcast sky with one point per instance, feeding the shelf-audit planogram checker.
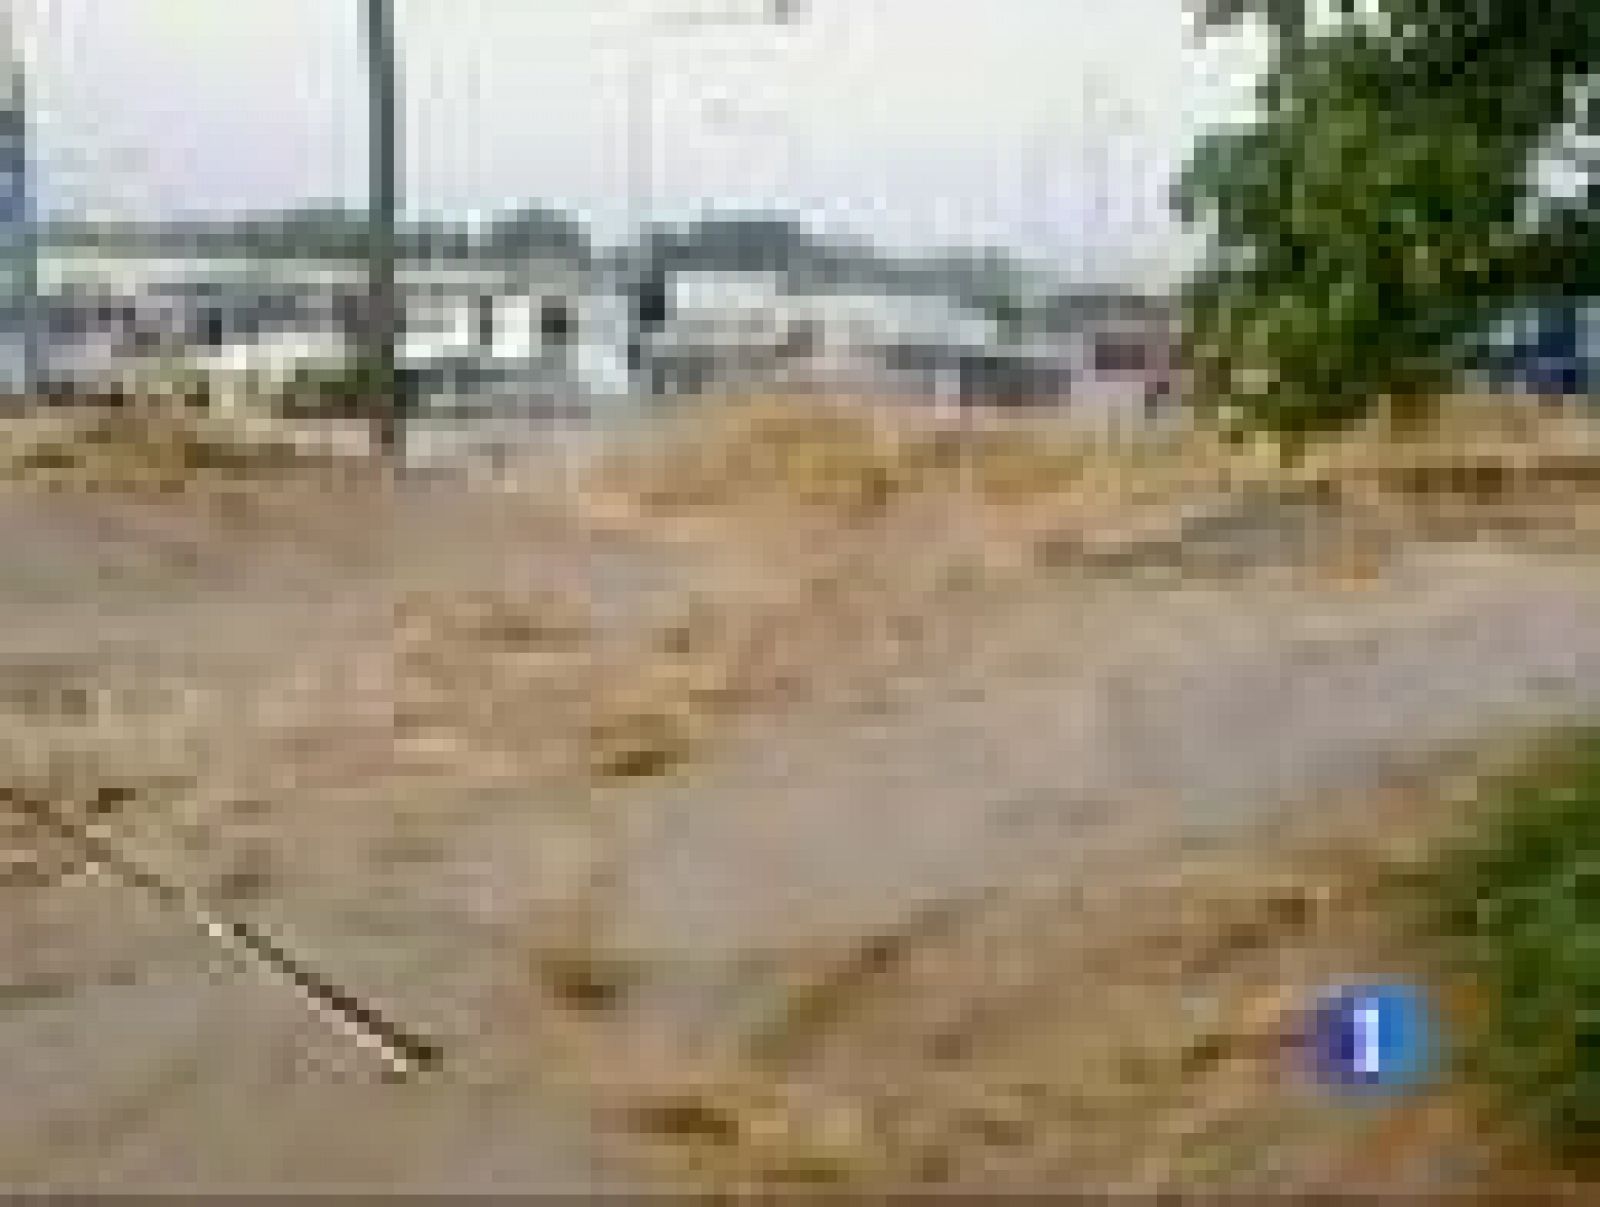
(915, 122)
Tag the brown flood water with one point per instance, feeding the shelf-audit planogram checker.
(1094, 721)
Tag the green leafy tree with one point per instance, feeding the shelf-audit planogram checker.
(1380, 210)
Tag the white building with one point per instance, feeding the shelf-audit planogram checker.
(195, 308)
(598, 357)
(727, 328)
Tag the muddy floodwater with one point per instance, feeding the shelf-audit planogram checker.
(241, 685)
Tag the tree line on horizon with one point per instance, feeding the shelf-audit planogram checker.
(990, 280)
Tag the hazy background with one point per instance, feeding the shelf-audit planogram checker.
(1046, 125)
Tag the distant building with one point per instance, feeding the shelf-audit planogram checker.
(729, 328)
(1114, 364)
(259, 320)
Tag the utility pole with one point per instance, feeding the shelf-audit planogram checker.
(20, 218)
(640, 187)
(648, 304)
(383, 319)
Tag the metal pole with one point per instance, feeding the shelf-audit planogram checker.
(23, 301)
(641, 151)
(383, 302)
(641, 137)
(641, 186)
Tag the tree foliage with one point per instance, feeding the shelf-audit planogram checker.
(1383, 206)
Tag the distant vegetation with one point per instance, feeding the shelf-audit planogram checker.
(988, 280)
(324, 233)
(757, 243)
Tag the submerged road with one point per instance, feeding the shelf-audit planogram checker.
(1094, 720)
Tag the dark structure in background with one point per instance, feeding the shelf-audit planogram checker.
(1552, 351)
(484, 321)
(556, 324)
(650, 310)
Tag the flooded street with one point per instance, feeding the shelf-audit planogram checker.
(1072, 725)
